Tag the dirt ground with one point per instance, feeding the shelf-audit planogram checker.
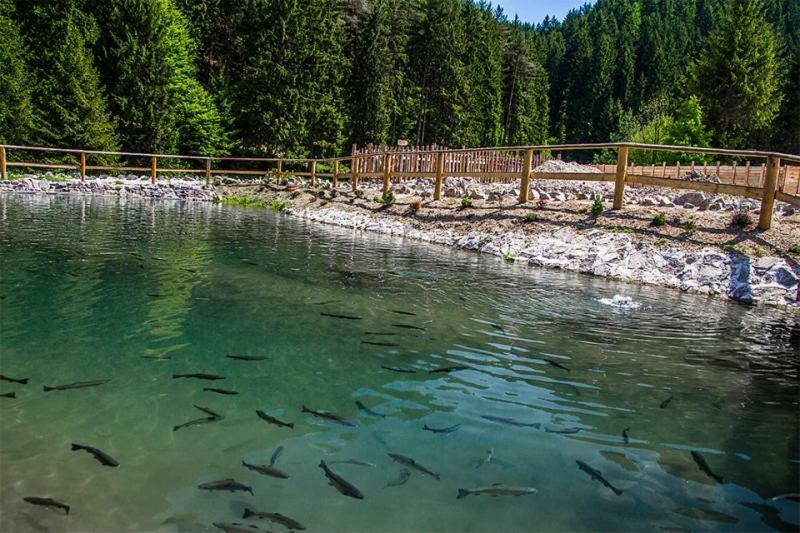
(688, 229)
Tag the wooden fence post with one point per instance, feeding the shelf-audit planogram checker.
(153, 170)
(387, 173)
(208, 171)
(83, 166)
(313, 169)
(3, 173)
(280, 170)
(768, 199)
(335, 173)
(525, 183)
(354, 173)
(619, 184)
(437, 189)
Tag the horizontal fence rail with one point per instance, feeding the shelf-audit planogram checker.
(775, 176)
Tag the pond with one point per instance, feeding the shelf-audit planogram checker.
(494, 378)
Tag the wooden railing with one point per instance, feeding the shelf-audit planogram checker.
(501, 163)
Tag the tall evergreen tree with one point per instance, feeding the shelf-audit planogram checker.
(16, 107)
(737, 75)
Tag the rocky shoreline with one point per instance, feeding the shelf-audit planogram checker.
(580, 248)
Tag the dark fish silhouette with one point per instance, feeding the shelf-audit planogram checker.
(278, 518)
(226, 484)
(266, 470)
(77, 385)
(272, 420)
(625, 435)
(246, 357)
(665, 402)
(340, 484)
(373, 343)
(219, 391)
(567, 431)
(47, 502)
(352, 462)
(9, 395)
(208, 411)
(596, 475)
(386, 333)
(277, 453)
(407, 326)
(411, 463)
(703, 466)
(101, 456)
(329, 416)
(401, 478)
(327, 302)
(250, 262)
(441, 430)
(447, 369)
(156, 357)
(198, 376)
(555, 364)
(407, 313)
(498, 489)
(400, 370)
(343, 317)
(23, 381)
(511, 421)
(368, 410)
(235, 527)
(791, 496)
(212, 417)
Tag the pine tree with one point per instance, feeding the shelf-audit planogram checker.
(737, 75)
(16, 107)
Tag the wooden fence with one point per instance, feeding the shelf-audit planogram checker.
(777, 176)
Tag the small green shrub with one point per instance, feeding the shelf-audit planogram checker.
(661, 241)
(741, 219)
(597, 206)
(531, 217)
(466, 202)
(729, 248)
(359, 193)
(794, 249)
(659, 220)
(323, 203)
(243, 201)
(510, 257)
(758, 251)
(387, 199)
(279, 205)
(118, 182)
(690, 226)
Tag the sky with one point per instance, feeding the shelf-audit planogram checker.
(535, 10)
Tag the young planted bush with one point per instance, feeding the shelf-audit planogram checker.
(278, 205)
(243, 201)
(597, 207)
(659, 220)
(741, 219)
(531, 217)
(466, 202)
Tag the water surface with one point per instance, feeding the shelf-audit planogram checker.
(136, 291)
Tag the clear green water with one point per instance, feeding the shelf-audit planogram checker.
(89, 286)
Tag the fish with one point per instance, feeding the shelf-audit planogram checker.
(277, 453)
(625, 435)
(213, 417)
(408, 326)
(211, 377)
(498, 489)
(23, 381)
(407, 313)
(449, 429)
(329, 416)
(665, 402)
(411, 463)
(249, 262)
(373, 343)
(266, 470)
(101, 456)
(326, 302)
(235, 527)
(246, 357)
(487, 459)
(597, 475)
(278, 518)
(399, 370)
(208, 411)
(400, 479)
(567, 431)
(447, 369)
(511, 421)
(47, 502)
(272, 420)
(386, 333)
(555, 364)
(703, 466)
(343, 317)
(339, 483)
(219, 391)
(156, 357)
(791, 496)
(77, 385)
(368, 410)
(190, 270)
(11, 395)
(352, 462)
(226, 484)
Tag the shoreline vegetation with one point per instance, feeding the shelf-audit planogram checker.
(672, 238)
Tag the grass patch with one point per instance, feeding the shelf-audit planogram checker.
(243, 201)
(794, 249)
(659, 220)
(510, 257)
(466, 202)
(531, 217)
(690, 226)
(279, 205)
(387, 199)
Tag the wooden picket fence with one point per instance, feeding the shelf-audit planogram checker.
(778, 177)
